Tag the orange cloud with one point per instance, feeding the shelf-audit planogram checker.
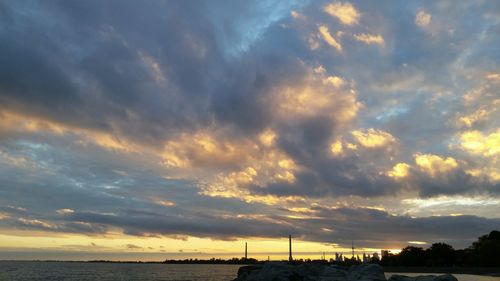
(314, 95)
(373, 138)
(370, 39)
(17, 123)
(476, 142)
(478, 115)
(346, 13)
(399, 171)
(325, 33)
(493, 76)
(271, 167)
(336, 147)
(423, 18)
(206, 149)
(435, 165)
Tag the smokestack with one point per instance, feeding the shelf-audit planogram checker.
(290, 248)
(352, 249)
(246, 251)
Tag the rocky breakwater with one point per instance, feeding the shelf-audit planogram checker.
(445, 277)
(320, 272)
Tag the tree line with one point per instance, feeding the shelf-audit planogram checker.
(483, 252)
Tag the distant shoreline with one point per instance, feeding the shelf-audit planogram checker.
(487, 271)
(138, 262)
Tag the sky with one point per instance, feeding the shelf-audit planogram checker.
(145, 130)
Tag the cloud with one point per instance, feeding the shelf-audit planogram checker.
(483, 148)
(375, 221)
(493, 76)
(203, 149)
(423, 18)
(14, 123)
(297, 15)
(373, 138)
(336, 147)
(370, 39)
(343, 224)
(133, 247)
(36, 223)
(65, 211)
(479, 115)
(434, 164)
(475, 142)
(346, 13)
(315, 94)
(323, 30)
(400, 170)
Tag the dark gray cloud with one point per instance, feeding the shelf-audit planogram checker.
(365, 225)
(102, 198)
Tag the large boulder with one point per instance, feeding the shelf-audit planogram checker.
(333, 273)
(269, 271)
(366, 272)
(320, 272)
(444, 277)
(277, 271)
(310, 272)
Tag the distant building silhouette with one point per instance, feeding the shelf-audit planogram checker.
(290, 258)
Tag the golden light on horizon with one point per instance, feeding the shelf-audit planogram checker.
(151, 248)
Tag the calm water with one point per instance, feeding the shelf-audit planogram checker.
(66, 271)
(69, 271)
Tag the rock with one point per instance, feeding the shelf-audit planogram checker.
(278, 271)
(268, 271)
(310, 272)
(444, 277)
(366, 272)
(334, 273)
(244, 271)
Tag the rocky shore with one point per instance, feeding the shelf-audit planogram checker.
(320, 272)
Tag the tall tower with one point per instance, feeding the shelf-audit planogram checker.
(290, 248)
(352, 249)
(246, 251)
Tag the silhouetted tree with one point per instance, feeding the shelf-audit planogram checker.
(486, 250)
(413, 256)
(440, 254)
(389, 259)
(464, 257)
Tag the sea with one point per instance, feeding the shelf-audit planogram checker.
(82, 271)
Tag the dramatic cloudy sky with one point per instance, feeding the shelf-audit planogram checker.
(158, 129)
